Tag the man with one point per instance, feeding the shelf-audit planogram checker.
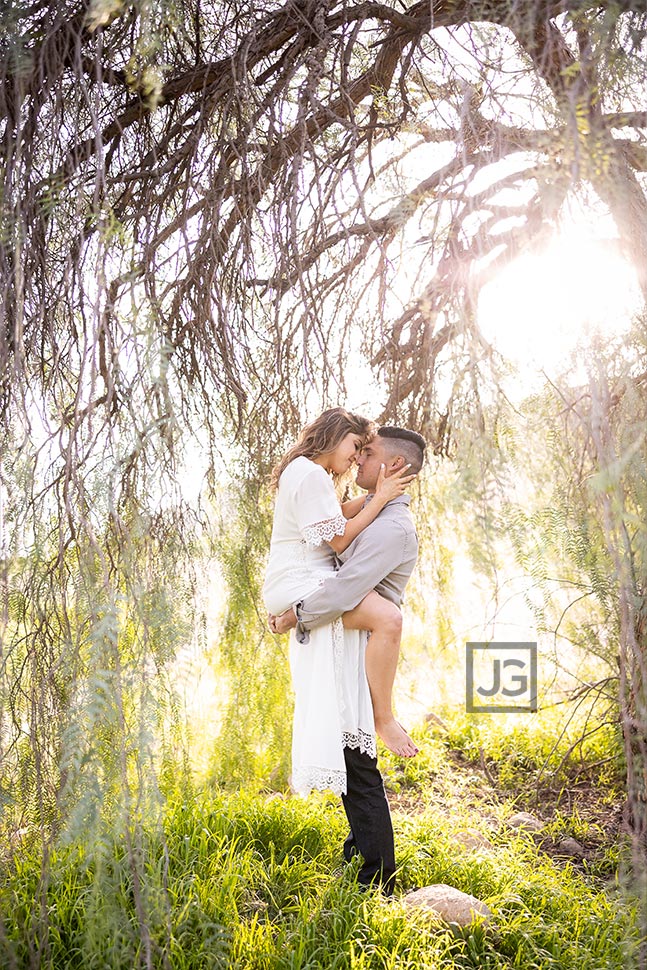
(382, 558)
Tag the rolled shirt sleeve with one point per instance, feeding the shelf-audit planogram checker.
(373, 555)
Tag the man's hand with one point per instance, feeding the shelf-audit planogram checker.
(281, 624)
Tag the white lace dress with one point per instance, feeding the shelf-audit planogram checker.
(332, 702)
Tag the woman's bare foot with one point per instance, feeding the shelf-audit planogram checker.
(396, 738)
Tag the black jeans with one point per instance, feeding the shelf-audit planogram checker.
(371, 831)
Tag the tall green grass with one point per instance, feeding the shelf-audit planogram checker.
(248, 881)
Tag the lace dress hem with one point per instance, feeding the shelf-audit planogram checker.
(308, 778)
(362, 740)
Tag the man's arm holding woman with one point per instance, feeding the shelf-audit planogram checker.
(375, 553)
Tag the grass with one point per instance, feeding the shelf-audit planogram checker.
(245, 880)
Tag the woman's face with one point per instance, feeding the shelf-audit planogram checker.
(344, 455)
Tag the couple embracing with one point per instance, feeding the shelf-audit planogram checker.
(335, 577)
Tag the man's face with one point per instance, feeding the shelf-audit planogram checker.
(368, 464)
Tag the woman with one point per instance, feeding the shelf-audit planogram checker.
(333, 705)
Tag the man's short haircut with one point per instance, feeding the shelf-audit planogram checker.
(409, 444)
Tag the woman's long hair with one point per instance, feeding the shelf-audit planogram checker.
(323, 435)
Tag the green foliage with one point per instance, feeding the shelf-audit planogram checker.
(243, 881)
(140, 305)
(526, 752)
(87, 712)
(254, 741)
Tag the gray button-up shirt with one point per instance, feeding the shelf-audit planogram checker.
(382, 558)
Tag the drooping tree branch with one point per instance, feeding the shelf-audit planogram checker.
(197, 164)
(209, 209)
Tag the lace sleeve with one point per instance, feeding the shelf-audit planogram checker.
(320, 532)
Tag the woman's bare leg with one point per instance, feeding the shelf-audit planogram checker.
(383, 620)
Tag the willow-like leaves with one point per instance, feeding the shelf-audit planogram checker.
(211, 214)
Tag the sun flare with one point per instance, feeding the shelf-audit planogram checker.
(547, 303)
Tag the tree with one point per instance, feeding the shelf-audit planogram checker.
(208, 208)
(222, 168)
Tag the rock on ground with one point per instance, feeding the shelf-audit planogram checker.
(524, 821)
(452, 905)
(571, 847)
(472, 839)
